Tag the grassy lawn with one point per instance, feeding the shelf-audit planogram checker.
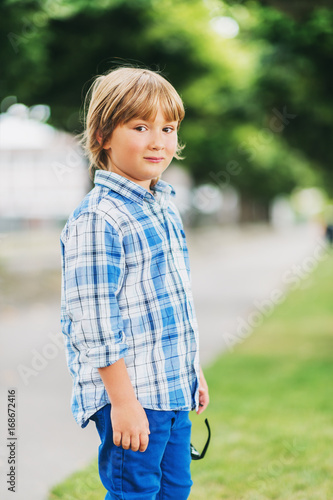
(271, 410)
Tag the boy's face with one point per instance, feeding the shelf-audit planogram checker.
(141, 150)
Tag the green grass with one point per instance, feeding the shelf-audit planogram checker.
(271, 409)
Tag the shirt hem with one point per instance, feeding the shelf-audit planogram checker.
(91, 411)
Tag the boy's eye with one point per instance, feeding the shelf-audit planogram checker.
(141, 128)
(168, 129)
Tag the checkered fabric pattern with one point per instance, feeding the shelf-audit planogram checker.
(126, 293)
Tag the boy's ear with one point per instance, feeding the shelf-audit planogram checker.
(99, 137)
(106, 144)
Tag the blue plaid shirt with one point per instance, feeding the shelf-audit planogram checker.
(126, 293)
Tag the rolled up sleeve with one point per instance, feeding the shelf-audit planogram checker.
(93, 274)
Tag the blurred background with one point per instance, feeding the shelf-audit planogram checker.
(255, 188)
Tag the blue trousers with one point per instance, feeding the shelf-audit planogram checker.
(162, 471)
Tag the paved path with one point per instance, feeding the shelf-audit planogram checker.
(238, 275)
(231, 270)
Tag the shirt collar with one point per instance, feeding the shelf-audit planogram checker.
(134, 191)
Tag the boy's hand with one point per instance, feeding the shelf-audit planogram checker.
(128, 419)
(203, 393)
(130, 426)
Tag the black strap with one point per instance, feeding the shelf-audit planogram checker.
(195, 455)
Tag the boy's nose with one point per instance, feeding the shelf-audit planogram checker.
(157, 147)
(157, 142)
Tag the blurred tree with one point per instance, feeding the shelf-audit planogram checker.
(62, 45)
(23, 54)
(296, 73)
(299, 9)
(248, 99)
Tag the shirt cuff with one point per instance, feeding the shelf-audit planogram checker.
(107, 354)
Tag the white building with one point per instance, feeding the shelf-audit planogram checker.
(43, 173)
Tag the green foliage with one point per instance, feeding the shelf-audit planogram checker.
(238, 93)
(296, 71)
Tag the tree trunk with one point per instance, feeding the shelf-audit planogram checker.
(253, 210)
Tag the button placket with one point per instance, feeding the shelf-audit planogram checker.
(176, 251)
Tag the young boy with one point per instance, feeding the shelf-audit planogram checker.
(127, 312)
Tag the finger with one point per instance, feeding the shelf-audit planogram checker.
(202, 406)
(117, 438)
(200, 410)
(147, 426)
(204, 398)
(144, 440)
(135, 443)
(126, 441)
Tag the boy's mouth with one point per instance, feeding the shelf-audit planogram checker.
(153, 159)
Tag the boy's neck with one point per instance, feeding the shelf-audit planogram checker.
(131, 179)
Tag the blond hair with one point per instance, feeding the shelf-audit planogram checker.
(119, 96)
